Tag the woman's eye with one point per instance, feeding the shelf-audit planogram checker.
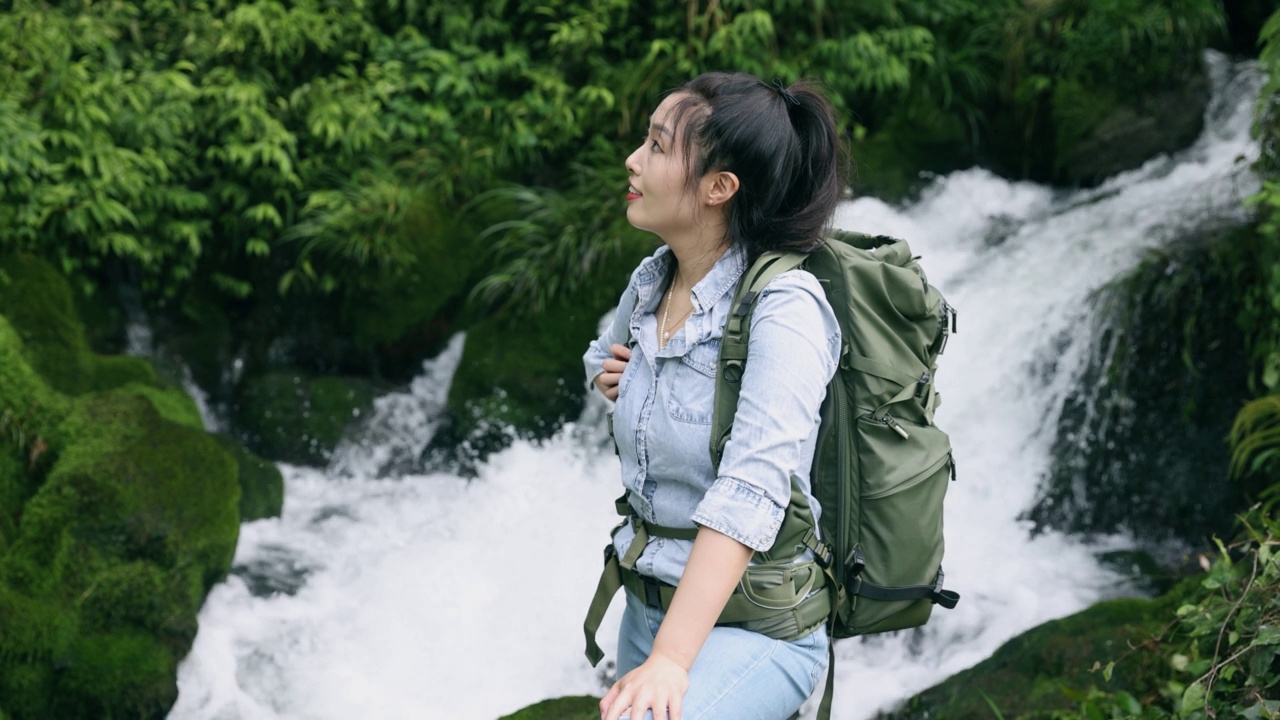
(654, 146)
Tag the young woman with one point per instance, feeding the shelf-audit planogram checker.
(730, 168)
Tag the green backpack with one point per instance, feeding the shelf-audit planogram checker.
(881, 467)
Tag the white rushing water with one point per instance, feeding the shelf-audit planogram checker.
(430, 596)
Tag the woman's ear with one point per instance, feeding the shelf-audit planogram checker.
(719, 187)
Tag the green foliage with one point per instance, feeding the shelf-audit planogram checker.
(557, 244)
(268, 148)
(1232, 661)
(1255, 436)
(576, 707)
(264, 148)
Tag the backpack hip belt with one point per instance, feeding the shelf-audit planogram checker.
(785, 599)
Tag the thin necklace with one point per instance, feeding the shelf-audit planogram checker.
(663, 334)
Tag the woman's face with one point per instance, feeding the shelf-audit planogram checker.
(658, 199)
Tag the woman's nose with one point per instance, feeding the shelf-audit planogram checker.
(633, 167)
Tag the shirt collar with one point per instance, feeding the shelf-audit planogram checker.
(723, 276)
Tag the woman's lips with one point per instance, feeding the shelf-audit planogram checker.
(632, 196)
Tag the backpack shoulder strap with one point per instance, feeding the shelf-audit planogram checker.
(733, 343)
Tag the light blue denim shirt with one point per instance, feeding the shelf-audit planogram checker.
(662, 418)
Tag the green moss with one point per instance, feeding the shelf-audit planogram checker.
(117, 513)
(99, 589)
(30, 630)
(261, 484)
(174, 483)
(526, 375)
(34, 409)
(576, 707)
(293, 417)
(120, 674)
(1032, 672)
(173, 404)
(38, 303)
(443, 262)
(14, 490)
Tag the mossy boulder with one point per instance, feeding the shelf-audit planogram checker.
(114, 553)
(517, 378)
(296, 417)
(397, 319)
(38, 303)
(1036, 672)
(1140, 446)
(574, 707)
(261, 484)
(118, 512)
(1101, 133)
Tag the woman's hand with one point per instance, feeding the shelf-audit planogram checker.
(656, 686)
(608, 380)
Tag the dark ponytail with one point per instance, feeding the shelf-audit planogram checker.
(780, 142)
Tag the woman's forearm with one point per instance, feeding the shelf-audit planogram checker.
(715, 566)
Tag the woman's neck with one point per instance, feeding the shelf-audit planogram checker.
(694, 259)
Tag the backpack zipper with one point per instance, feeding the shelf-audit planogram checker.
(893, 425)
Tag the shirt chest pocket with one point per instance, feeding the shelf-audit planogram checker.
(693, 387)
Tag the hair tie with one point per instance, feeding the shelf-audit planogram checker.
(784, 92)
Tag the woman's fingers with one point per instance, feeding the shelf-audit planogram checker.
(613, 368)
(621, 352)
(606, 702)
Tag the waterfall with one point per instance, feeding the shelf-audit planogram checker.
(430, 596)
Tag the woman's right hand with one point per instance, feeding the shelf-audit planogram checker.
(608, 380)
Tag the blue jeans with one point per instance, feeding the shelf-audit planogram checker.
(738, 674)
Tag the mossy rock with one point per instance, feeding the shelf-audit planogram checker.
(117, 514)
(261, 484)
(574, 707)
(1034, 672)
(901, 156)
(1139, 446)
(294, 417)
(99, 589)
(38, 303)
(1100, 133)
(30, 413)
(517, 378)
(443, 263)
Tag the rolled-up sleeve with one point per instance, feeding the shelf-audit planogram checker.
(791, 356)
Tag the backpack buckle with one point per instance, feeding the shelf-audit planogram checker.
(855, 564)
(733, 371)
(652, 594)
